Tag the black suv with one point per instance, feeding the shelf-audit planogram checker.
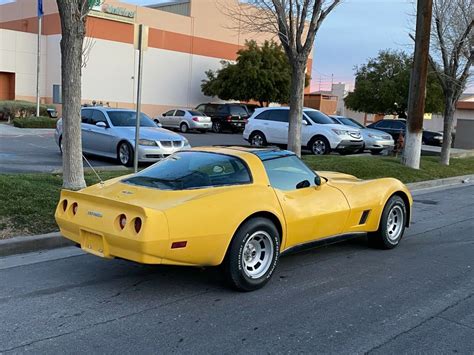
(395, 127)
(231, 117)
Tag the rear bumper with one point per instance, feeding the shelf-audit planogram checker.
(200, 125)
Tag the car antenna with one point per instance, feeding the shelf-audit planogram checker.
(95, 172)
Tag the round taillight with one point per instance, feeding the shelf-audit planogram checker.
(138, 224)
(122, 221)
(74, 208)
(64, 205)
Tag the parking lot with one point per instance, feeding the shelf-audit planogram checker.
(36, 150)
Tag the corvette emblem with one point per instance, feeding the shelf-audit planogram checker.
(95, 214)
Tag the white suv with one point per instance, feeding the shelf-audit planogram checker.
(319, 134)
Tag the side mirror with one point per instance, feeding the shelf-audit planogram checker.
(304, 123)
(101, 124)
(158, 124)
(317, 180)
(303, 184)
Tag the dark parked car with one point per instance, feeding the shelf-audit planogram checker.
(395, 127)
(251, 108)
(231, 117)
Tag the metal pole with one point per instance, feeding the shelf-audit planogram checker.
(139, 94)
(38, 56)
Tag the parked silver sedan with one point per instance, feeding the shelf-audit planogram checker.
(374, 140)
(185, 120)
(111, 133)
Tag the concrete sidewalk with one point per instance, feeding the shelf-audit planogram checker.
(455, 152)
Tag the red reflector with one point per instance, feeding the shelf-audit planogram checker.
(64, 205)
(176, 245)
(229, 118)
(122, 221)
(138, 224)
(74, 208)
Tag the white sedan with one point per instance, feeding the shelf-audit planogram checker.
(185, 120)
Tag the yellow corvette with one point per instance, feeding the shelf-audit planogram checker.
(237, 206)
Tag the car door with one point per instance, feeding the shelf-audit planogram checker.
(177, 118)
(102, 139)
(167, 118)
(278, 127)
(311, 212)
(86, 122)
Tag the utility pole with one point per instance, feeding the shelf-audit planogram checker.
(417, 92)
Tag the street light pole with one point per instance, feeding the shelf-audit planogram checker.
(139, 97)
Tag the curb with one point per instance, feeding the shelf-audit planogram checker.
(28, 244)
(447, 182)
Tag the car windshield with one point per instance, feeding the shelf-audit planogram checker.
(350, 122)
(196, 113)
(193, 170)
(128, 119)
(318, 117)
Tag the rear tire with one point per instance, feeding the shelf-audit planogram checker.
(257, 139)
(125, 154)
(216, 127)
(184, 128)
(392, 224)
(252, 255)
(319, 145)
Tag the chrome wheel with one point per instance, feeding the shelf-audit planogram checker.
(319, 147)
(216, 127)
(257, 140)
(395, 223)
(124, 154)
(257, 254)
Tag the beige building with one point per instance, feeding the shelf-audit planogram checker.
(185, 39)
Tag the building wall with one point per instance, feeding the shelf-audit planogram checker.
(181, 49)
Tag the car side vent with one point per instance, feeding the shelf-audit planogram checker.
(364, 217)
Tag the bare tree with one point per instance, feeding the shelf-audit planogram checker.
(296, 23)
(451, 55)
(73, 15)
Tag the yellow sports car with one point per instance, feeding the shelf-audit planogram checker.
(237, 206)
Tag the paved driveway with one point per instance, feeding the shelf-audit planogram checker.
(34, 150)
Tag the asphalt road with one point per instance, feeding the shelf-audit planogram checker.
(38, 152)
(344, 298)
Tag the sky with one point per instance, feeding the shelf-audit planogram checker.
(355, 31)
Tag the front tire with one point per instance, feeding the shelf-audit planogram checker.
(125, 154)
(319, 145)
(376, 151)
(392, 224)
(252, 255)
(257, 139)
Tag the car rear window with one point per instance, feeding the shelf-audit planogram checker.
(196, 113)
(193, 170)
(238, 111)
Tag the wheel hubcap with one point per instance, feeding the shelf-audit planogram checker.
(395, 223)
(257, 140)
(257, 254)
(319, 147)
(124, 154)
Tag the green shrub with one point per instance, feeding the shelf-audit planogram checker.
(10, 109)
(35, 122)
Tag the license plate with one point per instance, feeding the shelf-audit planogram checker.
(92, 243)
(239, 124)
